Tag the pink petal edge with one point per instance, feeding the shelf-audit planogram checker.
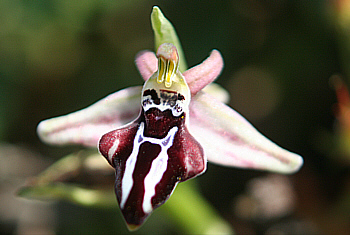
(196, 77)
(205, 73)
(146, 63)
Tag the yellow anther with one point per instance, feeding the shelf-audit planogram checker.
(168, 78)
(161, 70)
(168, 63)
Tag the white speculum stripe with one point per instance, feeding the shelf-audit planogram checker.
(113, 150)
(158, 167)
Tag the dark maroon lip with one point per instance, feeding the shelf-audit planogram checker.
(158, 123)
(184, 159)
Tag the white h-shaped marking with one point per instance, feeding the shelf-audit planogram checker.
(158, 167)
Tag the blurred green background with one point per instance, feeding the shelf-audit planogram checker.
(58, 56)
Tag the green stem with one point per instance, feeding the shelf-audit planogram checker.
(193, 213)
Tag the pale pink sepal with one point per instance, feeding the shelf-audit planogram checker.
(85, 127)
(230, 140)
(205, 73)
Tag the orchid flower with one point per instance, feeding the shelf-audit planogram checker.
(164, 133)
